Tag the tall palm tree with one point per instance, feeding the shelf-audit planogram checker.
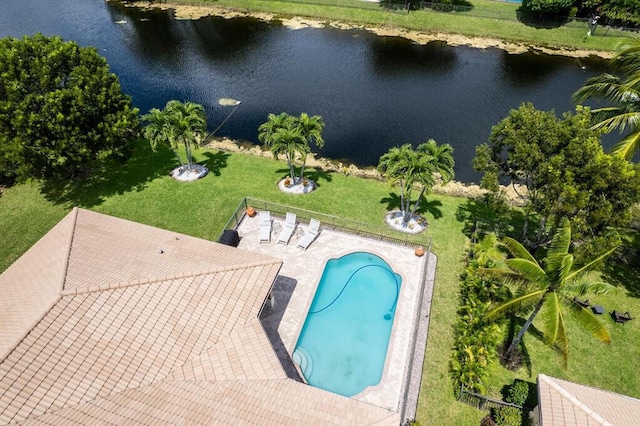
(407, 168)
(311, 130)
(623, 94)
(177, 124)
(397, 166)
(435, 159)
(549, 287)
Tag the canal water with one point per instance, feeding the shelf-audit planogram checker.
(373, 92)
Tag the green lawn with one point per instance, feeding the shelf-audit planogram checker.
(142, 191)
(493, 19)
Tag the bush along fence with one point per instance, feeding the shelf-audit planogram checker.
(476, 339)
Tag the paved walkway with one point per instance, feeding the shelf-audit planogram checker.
(296, 286)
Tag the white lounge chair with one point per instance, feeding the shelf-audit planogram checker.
(310, 235)
(265, 226)
(287, 230)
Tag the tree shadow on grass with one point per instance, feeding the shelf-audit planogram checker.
(426, 205)
(621, 275)
(316, 174)
(112, 178)
(215, 161)
(477, 217)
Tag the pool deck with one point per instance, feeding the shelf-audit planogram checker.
(298, 278)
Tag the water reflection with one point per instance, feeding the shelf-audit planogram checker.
(396, 55)
(373, 92)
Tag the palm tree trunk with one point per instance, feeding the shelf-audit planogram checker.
(415, 206)
(304, 161)
(292, 171)
(188, 149)
(525, 327)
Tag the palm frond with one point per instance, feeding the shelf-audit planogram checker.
(561, 239)
(528, 270)
(580, 272)
(611, 118)
(588, 320)
(516, 303)
(562, 340)
(517, 250)
(628, 146)
(581, 289)
(549, 315)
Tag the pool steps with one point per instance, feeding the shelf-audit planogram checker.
(303, 359)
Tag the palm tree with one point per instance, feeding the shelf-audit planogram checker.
(549, 287)
(397, 167)
(407, 168)
(623, 94)
(177, 124)
(311, 130)
(438, 159)
(284, 134)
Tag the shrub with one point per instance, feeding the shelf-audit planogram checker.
(508, 416)
(518, 392)
(475, 348)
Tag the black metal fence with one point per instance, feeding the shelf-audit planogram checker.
(328, 221)
(482, 402)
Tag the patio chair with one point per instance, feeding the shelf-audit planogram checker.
(287, 230)
(265, 226)
(310, 235)
(621, 318)
(584, 303)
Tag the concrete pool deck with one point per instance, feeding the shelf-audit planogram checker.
(300, 273)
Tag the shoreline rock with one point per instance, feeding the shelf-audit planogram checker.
(419, 37)
(454, 188)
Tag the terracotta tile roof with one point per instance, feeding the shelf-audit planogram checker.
(32, 285)
(565, 403)
(125, 333)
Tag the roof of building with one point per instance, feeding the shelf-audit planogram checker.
(111, 321)
(566, 403)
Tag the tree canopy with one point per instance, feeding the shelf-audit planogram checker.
(547, 7)
(61, 109)
(407, 168)
(177, 124)
(563, 167)
(622, 93)
(291, 136)
(549, 288)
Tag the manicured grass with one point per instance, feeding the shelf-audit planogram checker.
(486, 19)
(142, 191)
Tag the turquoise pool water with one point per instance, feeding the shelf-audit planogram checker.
(343, 343)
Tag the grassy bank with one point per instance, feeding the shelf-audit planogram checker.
(142, 191)
(485, 19)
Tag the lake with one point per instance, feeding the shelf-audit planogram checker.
(373, 92)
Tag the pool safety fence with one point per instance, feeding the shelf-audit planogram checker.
(327, 221)
(413, 372)
(482, 402)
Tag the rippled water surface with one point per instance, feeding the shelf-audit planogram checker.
(373, 92)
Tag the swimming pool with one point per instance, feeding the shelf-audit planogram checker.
(343, 344)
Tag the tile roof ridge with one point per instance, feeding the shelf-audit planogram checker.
(170, 277)
(74, 222)
(574, 400)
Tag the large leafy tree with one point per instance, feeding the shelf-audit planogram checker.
(408, 168)
(178, 124)
(621, 91)
(61, 110)
(548, 289)
(290, 136)
(560, 169)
